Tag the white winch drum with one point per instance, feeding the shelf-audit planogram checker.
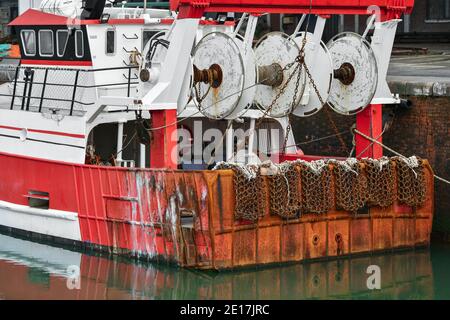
(251, 76)
(351, 48)
(320, 65)
(279, 48)
(225, 100)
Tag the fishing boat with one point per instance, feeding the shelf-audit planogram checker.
(166, 134)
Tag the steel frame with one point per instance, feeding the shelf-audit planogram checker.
(369, 121)
(389, 9)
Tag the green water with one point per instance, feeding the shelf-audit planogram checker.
(35, 271)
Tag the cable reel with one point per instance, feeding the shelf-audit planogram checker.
(320, 65)
(355, 73)
(221, 75)
(277, 93)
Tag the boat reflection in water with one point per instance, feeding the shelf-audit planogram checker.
(30, 270)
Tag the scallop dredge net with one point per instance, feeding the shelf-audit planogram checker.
(292, 188)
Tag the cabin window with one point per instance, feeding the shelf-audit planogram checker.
(79, 45)
(28, 42)
(110, 42)
(62, 37)
(46, 43)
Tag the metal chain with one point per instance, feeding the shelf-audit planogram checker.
(411, 186)
(286, 137)
(322, 101)
(199, 97)
(350, 185)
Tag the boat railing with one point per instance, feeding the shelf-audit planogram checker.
(32, 88)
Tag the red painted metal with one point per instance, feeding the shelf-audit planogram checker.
(72, 63)
(389, 9)
(370, 122)
(54, 133)
(163, 148)
(139, 211)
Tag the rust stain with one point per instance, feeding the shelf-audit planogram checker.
(215, 240)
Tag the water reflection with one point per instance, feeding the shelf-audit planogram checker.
(35, 271)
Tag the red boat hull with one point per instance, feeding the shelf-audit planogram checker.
(140, 212)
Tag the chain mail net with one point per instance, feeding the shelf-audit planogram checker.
(296, 187)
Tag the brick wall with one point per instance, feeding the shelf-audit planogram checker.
(423, 130)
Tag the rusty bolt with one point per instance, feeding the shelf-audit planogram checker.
(144, 75)
(213, 75)
(346, 74)
(271, 75)
(316, 240)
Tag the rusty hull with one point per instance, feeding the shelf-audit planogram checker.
(214, 240)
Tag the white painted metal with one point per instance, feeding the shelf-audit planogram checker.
(36, 135)
(128, 39)
(369, 26)
(299, 25)
(320, 65)
(291, 147)
(142, 155)
(240, 24)
(277, 47)
(250, 74)
(119, 140)
(219, 48)
(351, 48)
(252, 158)
(382, 43)
(229, 137)
(50, 222)
(166, 93)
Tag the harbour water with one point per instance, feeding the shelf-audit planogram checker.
(31, 270)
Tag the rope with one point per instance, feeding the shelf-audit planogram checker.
(210, 106)
(394, 152)
(335, 128)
